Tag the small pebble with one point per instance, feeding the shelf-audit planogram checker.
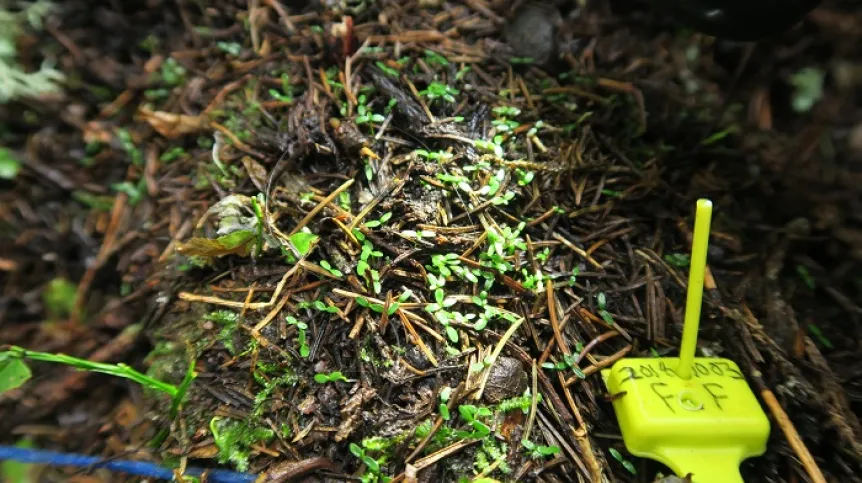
(506, 380)
(532, 32)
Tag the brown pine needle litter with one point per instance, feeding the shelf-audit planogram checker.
(399, 241)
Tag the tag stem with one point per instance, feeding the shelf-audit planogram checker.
(699, 243)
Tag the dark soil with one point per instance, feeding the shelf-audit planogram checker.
(457, 296)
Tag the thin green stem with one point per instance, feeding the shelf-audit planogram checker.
(118, 370)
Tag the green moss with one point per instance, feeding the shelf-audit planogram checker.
(228, 322)
(234, 439)
(263, 396)
(59, 298)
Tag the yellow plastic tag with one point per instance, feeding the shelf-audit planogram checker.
(695, 415)
(704, 426)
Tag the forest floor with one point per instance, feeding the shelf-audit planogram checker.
(400, 240)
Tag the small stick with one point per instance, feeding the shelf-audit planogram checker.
(533, 404)
(419, 342)
(499, 348)
(117, 213)
(555, 323)
(282, 12)
(447, 451)
(241, 305)
(271, 315)
(419, 98)
(579, 251)
(453, 399)
(317, 209)
(608, 361)
(792, 436)
(235, 140)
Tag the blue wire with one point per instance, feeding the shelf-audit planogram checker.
(137, 468)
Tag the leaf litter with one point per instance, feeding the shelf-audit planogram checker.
(398, 251)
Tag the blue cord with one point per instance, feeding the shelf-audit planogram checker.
(137, 468)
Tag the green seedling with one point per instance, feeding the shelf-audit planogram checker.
(539, 452)
(172, 73)
(602, 302)
(301, 339)
(436, 90)
(434, 155)
(373, 465)
(626, 463)
(230, 48)
(806, 277)
(568, 362)
(433, 58)
(329, 268)
(379, 308)
(135, 191)
(445, 393)
(471, 415)
(304, 241)
(364, 113)
(286, 94)
(173, 154)
(387, 70)
(489, 146)
(318, 305)
(323, 378)
(679, 260)
(573, 278)
(380, 221)
(368, 252)
(9, 164)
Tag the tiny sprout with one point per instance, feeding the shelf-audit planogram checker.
(525, 177)
(601, 300)
(371, 463)
(489, 146)
(380, 221)
(232, 48)
(680, 260)
(436, 155)
(436, 90)
(626, 464)
(329, 268)
(323, 378)
(386, 69)
(537, 451)
(508, 111)
(432, 58)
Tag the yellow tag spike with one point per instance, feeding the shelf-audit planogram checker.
(699, 244)
(694, 414)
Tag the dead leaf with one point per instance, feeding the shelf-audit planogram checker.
(352, 411)
(206, 452)
(256, 172)
(238, 242)
(172, 125)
